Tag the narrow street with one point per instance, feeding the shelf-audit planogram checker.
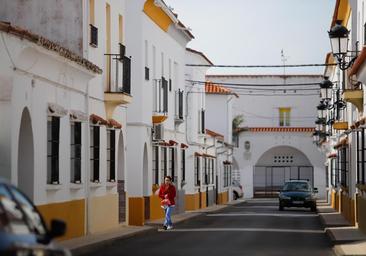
(255, 227)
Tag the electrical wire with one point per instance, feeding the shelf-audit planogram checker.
(261, 66)
(256, 85)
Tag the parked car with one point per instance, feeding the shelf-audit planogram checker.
(237, 190)
(22, 228)
(298, 193)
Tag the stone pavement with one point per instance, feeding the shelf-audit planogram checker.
(89, 243)
(348, 240)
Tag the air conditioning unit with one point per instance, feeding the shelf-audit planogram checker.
(158, 132)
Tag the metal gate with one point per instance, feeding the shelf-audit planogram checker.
(268, 180)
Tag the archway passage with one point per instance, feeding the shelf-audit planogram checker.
(26, 155)
(278, 165)
(121, 179)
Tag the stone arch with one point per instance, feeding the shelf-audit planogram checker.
(26, 155)
(277, 165)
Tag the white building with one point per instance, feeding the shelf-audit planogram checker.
(275, 142)
(73, 116)
(156, 118)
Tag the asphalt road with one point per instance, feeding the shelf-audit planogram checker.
(255, 227)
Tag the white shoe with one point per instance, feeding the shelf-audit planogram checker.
(169, 227)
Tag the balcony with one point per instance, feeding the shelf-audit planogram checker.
(354, 96)
(118, 78)
(340, 125)
(160, 100)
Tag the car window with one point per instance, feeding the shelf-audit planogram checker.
(11, 214)
(296, 186)
(33, 217)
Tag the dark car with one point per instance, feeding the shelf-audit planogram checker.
(22, 228)
(297, 193)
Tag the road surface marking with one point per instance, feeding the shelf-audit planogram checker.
(273, 230)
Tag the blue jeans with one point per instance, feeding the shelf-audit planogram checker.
(168, 218)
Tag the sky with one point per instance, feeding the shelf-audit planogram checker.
(253, 32)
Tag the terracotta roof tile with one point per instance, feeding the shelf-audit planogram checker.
(281, 129)
(212, 88)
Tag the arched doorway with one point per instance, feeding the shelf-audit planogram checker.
(278, 165)
(121, 179)
(26, 155)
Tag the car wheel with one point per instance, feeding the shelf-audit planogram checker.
(313, 208)
(281, 208)
(235, 195)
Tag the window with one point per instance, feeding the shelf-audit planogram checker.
(183, 165)
(179, 104)
(197, 171)
(32, 216)
(164, 164)
(147, 71)
(205, 178)
(227, 174)
(361, 157)
(155, 165)
(111, 155)
(11, 214)
(93, 29)
(284, 114)
(94, 153)
(161, 95)
(172, 165)
(212, 171)
(201, 121)
(53, 143)
(75, 154)
(343, 166)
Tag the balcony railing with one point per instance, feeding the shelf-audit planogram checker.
(119, 73)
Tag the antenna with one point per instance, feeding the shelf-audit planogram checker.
(284, 60)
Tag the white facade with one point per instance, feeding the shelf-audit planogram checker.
(262, 118)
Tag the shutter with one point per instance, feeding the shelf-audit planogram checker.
(180, 110)
(96, 135)
(165, 94)
(126, 75)
(203, 121)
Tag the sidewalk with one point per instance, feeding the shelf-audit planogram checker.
(89, 243)
(348, 240)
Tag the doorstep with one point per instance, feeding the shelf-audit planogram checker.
(333, 219)
(342, 235)
(88, 243)
(358, 248)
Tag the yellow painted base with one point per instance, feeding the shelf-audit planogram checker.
(203, 200)
(348, 206)
(192, 202)
(103, 213)
(136, 211)
(72, 212)
(223, 197)
(156, 212)
(361, 213)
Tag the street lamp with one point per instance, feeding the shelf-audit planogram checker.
(320, 124)
(322, 110)
(338, 36)
(326, 89)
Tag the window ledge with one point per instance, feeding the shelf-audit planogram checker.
(111, 184)
(76, 186)
(52, 187)
(95, 185)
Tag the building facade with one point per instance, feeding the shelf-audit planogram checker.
(274, 142)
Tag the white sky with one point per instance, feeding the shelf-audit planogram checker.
(253, 32)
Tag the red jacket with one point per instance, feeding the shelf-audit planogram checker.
(169, 190)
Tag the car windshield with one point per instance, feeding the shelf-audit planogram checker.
(296, 186)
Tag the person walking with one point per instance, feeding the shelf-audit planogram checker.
(167, 194)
